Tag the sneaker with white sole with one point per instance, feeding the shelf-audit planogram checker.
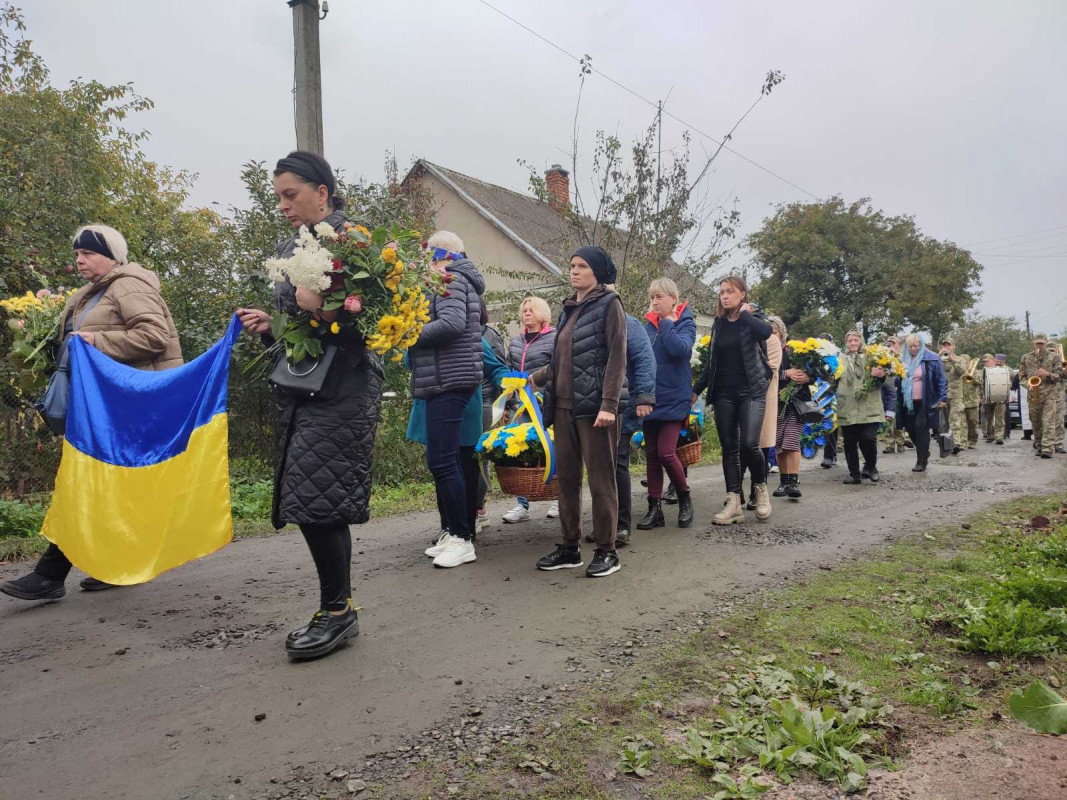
(518, 514)
(481, 521)
(553, 510)
(457, 551)
(774, 469)
(438, 547)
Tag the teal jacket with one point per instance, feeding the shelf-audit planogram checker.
(470, 430)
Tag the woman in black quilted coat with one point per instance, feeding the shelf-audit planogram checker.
(322, 477)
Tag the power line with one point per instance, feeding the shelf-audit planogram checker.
(1016, 236)
(643, 99)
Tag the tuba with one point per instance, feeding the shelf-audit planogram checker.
(968, 377)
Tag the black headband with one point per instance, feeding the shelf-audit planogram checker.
(93, 241)
(308, 168)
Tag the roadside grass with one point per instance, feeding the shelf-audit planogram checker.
(894, 622)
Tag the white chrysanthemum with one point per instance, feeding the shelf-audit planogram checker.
(307, 267)
(324, 230)
(827, 348)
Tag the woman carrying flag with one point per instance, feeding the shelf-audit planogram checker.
(123, 315)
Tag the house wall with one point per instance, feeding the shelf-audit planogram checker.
(484, 242)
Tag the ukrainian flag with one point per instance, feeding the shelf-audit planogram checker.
(143, 485)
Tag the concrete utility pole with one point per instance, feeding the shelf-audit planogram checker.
(307, 89)
(1028, 334)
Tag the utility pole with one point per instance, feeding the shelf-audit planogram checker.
(307, 84)
(1028, 334)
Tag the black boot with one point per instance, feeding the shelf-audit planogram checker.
(671, 497)
(34, 587)
(91, 584)
(920, 466)
(783, 486)
(654, 517)
(853, 480)
(323, 634)
(751, 506)
(793, 489)
(685, 509)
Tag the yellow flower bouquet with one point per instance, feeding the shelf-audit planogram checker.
(376, 281)
(881, 357)
(513, 446)
(34, 322)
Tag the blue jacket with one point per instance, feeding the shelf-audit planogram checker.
(672, 342)
(935, 386)
(640, 374)
(470, 430)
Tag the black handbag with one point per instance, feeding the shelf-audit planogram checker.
(945, 440)
(52, 405)
(807, 411)
(305, 378)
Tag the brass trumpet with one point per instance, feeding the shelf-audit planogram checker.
(1034, 381)
(968, 377)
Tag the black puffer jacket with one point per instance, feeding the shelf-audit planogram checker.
(754, 332)
(324, 444)
(448, 355)
(532, 353)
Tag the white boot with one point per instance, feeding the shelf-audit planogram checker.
(732, 510)
(763, 502)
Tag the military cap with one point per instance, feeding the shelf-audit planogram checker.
(947, 338)
(1040, 337)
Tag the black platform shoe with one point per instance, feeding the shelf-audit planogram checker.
(685, 510)
(671, 496)
(323, 634)
(653, 518)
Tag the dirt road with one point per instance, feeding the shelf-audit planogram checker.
(152, 691)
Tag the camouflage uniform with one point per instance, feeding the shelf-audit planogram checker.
(992, 413)
(972, 393)
(1044, 401)
(955, 367)
(894, 439)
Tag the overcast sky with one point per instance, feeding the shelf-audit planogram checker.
(954, 112)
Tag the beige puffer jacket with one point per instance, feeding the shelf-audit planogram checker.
(131, 321)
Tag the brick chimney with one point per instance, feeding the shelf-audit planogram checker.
(558, 183)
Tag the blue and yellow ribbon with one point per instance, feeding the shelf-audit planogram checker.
(517, 384)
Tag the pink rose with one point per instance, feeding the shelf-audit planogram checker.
(394, 245)
(21, 323)
(69, 268)
(448, 277)
(42, 293)
(353, 304)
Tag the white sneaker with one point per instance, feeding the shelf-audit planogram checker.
(553, 510)
(481, 521)
(518, 514)
(457, 551)
(435, 550)
(774, 469)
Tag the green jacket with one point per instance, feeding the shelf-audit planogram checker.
(853, 407)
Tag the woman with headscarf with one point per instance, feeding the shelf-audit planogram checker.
(736, 377)
(121, 313)
(584, 386)
(323, 443)
(923, 393)
(861, 410)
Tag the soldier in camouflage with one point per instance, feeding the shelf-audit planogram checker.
(972, 399)
(955, 367)
(1054, 346)
(1043, 398)
(992, 413)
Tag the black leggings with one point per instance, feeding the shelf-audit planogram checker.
(739, 421)
(916, 424)
(861, 438)
(331, 550)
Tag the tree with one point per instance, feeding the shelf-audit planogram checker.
(981, 334)
(831, 266)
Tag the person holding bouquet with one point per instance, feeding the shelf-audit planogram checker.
(923, 393)
(584, 385)
(861, 410)
(120, 312)
(446, 366)
(324, 443)
(736, 378)
(789, 427)
(530, 350)
(672, 329)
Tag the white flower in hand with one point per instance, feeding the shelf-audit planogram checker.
(324, 230)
